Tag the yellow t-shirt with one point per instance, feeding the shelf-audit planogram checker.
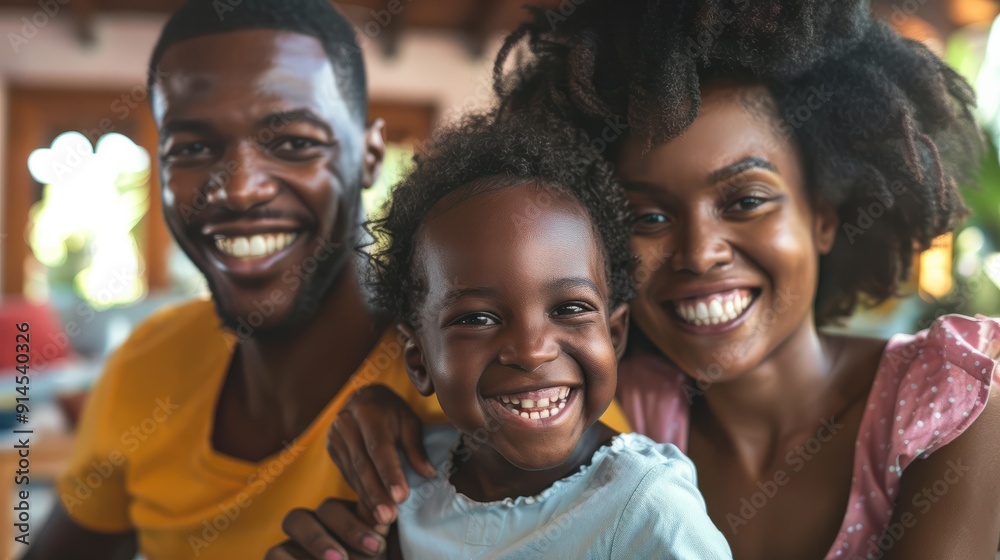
(144, 460)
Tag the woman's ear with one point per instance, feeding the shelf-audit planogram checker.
(619, 330)
(825, 224)
(413, 359)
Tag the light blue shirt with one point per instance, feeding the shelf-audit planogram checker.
(637, 499)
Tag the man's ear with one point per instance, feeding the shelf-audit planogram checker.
(619, 330)
(413, 359)
(825, 224)
(374, 153)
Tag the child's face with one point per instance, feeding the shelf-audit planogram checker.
(728, 240)
(515, 334)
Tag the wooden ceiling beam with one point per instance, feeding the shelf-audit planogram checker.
(83, 21)
(486, 20)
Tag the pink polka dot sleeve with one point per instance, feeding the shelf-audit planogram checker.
(929, 388)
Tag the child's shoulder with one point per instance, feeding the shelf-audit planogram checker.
(664, 501)
(636, 455)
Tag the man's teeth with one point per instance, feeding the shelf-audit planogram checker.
(715, 309)
(253, 246)
(534, 409)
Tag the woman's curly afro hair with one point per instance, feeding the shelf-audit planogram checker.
(480, 153)
(892, 139)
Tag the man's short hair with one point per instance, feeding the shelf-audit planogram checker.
(315, 18)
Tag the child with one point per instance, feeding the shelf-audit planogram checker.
(504, 257)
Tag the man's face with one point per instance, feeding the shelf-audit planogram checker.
(261, 162)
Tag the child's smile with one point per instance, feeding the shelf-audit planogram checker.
(536, 404)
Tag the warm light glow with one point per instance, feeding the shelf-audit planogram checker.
(91, 201)
(935, 268)
(992, 268)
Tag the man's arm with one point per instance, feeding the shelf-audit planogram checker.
(61, 538)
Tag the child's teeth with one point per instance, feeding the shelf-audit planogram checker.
(549, 406)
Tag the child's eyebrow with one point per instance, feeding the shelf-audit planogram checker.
(574, 282)
(454, 295)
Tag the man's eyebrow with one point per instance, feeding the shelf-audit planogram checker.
(184, 125)
(745, 164)
(277, 119)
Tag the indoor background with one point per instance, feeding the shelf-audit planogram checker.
(84, 252)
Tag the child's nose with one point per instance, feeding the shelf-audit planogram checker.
(529, 347)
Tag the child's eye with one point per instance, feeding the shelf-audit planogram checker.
(476, 320)
(572, 308)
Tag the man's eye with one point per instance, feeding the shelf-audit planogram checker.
(572, 308)
(292, 145)
(476, 320)
(188, 150)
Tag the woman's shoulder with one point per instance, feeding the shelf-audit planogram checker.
(971, 344)
(931, 386)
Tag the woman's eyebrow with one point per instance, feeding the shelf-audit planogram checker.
(745, 164)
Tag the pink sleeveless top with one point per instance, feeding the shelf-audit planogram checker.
(929, 388)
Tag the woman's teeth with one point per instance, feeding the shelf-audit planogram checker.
(716, 309)
(550, 404)
(254, 246)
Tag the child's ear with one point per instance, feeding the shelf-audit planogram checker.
(413, 359)
(619, 330)
(825, 223)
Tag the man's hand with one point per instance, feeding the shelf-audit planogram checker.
(335, 531)
(363, 442)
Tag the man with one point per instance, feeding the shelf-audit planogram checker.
(209, 424)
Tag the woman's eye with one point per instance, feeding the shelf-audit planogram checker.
(652, 219)
(476, 320)
(572, 309)
(748, 203)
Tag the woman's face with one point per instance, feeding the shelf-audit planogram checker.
(727, 237)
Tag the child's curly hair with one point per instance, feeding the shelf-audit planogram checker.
(893, 133)
(481, 152)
